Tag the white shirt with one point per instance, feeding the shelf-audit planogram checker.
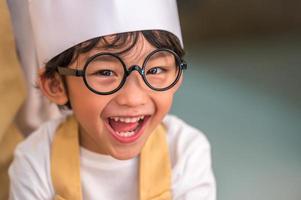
(104, 177)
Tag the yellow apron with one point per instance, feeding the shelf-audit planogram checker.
(154, 166)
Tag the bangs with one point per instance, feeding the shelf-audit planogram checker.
(122, 42)
(126, 41)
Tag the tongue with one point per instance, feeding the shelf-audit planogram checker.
(122, 126)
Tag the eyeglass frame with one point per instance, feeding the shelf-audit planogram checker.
(81, 72)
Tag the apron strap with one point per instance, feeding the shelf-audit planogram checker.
(154, 164)
(65, 161)
(155, 169)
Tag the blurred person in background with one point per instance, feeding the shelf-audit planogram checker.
(22, 108)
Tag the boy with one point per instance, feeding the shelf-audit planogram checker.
(116, 65)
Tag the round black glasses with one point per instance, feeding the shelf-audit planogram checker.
(106, 73)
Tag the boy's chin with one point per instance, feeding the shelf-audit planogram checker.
(125, 155)
(126, 152)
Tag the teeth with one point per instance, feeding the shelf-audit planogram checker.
(127, 119)
(126, 134)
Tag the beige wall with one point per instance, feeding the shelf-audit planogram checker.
(205, 19)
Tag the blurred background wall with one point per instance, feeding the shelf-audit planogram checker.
(242, 89)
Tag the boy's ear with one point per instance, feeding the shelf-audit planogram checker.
(53, 88)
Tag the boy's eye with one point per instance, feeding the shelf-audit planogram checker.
(105, 72)
(155, 70)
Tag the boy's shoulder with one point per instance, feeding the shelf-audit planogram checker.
(190, 155)
(185, 140)
(183, 134)
(40, 140)
(31, 164)
(35, 150)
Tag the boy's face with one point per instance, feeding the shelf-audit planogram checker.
(118, 124)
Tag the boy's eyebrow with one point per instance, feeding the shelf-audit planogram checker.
(161, 55)
(108, 58)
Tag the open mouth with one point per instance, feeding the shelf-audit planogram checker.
(127, 129)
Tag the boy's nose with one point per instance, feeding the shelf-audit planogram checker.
(133, 93)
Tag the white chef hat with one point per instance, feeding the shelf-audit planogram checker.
(46, 28)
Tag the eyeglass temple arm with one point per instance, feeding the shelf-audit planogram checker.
(70, 72)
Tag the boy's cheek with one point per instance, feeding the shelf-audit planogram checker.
(163, 104)
(89, 107)
(89, 110)
(178, 85)
(84, 99)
